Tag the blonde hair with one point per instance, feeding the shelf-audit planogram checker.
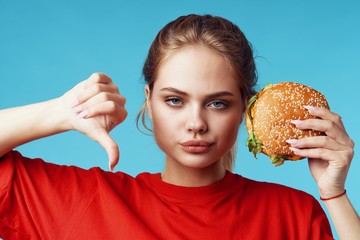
(215, 33)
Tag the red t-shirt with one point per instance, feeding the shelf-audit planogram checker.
(40, 200)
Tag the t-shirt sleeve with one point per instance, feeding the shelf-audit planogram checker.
(38, 198)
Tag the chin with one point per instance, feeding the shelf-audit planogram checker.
(197, 162)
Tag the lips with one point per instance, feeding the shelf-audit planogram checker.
(196, 146)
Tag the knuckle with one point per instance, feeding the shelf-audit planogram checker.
(351, 153)
(324, 140)
(96, 76)
(321, 153)
(352, 143)
(120, 115)
(124, 115)
(111, 105)
(318, 111)
(116, 89)
(329, 125)
(123, 99)
(104, 96)
(337, 118)
(345, 158)
(97, 89)
(344, 163)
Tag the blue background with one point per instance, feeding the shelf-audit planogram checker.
(49, 46)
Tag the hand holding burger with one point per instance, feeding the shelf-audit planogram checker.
(270, 114)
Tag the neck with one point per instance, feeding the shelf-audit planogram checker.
(180, 175)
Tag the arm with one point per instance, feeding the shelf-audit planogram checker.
(93, 107)
(344, 217)
(330, 157)
(23, 124)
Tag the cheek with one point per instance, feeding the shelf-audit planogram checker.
(228, 127)
(161, 120)
(164, 125)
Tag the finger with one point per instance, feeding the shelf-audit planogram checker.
(328, 127)
(116, 112)
(326, 114)
(106, 97)
(83, 87)
(110, 146)
(98, 99)
(94, 90)
(321, 147)
(97, 78)
(317, 142)
(340, 158)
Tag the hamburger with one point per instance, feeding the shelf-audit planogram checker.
(269, 115)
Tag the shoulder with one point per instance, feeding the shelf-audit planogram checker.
(20, 171)
(291, 208)
(274, 192)
(7, 166)
(280, 198)
(147, 179)
(266, 187)
(14, 161)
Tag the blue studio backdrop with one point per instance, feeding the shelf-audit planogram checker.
(49, 46)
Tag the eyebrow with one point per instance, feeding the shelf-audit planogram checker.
(212, 95)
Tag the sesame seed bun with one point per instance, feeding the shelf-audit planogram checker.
(269, 115)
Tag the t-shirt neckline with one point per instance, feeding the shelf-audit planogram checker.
(200, 194)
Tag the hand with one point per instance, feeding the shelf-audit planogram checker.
(96, 107)
(329, 155)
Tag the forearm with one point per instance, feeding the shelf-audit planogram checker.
(344, 217)
(23, 124)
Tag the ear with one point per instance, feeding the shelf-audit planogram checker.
(148, 100)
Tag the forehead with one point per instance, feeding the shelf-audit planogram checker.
(196, 68)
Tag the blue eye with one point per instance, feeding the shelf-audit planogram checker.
(174, 101)
(217, 105)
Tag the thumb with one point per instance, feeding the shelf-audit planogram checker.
(110, 146)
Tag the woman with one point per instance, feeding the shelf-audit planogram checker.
(199, 73)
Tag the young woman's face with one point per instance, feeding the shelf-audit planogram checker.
(195, 107)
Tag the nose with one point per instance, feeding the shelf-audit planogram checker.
(196, 122)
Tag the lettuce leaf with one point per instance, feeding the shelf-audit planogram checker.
(254, 145)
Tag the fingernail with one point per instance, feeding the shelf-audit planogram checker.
(293, 149)
(111, 167)
(310, 108)
(83, 114)
(296, 122)
(291, 141)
